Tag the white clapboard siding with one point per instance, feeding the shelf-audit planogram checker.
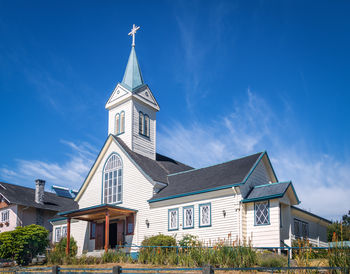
(144, 145)
(127, 108)
(136, 191)
(222, 227)
(264, 235)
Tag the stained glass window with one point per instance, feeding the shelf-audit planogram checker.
(188, 220)
(205, 215)
(113, 180)
(173, 219)
(262, 213)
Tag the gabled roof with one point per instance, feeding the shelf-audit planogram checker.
(269, 191)
(25, 196)
(132, 76)
(158, 169)
(215, 177)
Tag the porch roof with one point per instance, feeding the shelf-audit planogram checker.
(98, 212)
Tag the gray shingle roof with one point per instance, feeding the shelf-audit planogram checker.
(26, 196)
(221, 175)
(156, 169)
(264, 192)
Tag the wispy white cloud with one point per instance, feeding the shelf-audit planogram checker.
(320, 180)
(70, 173)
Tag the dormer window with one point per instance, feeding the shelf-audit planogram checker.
(120, 123)
(144, 124)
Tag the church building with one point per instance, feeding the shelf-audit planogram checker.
(132, 192)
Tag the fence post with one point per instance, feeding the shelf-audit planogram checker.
(289, 255)
(117, 269)
(55, 269)
(208, 269)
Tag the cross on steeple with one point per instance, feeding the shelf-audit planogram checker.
(132, 33)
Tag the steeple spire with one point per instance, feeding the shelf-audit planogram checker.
(132, 76)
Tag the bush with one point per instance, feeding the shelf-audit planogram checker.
(189, 240)
(159, 240)
(23, 243)
(272, 260)
(58, 253)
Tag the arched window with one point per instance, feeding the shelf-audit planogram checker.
(117, 124)
(112, 180)
(122, 122)
(146, 125)
(141, 122)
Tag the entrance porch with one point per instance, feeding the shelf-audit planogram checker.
(108, 223)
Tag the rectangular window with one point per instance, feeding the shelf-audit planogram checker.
(5, 216)
(262, 213)
(188, 217)
(92, 230)
(173, 219)
(130, 224)
(64, 231)
(301, 229)
(204, 215)
(57, 234)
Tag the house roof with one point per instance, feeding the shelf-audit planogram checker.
(25, 196)
(158, 169)
(214, 177)
(268, 191)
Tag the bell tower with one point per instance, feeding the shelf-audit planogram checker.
(132, 109)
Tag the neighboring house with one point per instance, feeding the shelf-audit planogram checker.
(21, 206)
(132, 192)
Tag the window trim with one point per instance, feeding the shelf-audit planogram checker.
(199, 213)
(7, 212)
(177, 228)
(57, 229)
(183, 217)
(117, 129)
(122, 179)
(142, 128)
(268, 208)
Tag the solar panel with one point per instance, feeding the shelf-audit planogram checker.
(62, 191)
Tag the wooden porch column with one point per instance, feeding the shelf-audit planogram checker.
(68, 237)
(107, 231)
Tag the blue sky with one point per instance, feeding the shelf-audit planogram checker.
(231, 77)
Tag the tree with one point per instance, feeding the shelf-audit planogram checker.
(23, 243)
(339, 231)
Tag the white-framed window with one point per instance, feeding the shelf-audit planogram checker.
(64, 231)
(112, 180)
(204, 215)
(57, 234)
(144, 124)
(188, 217)
(262, 213)
(120, 123)
(5, 216)
(173, 219)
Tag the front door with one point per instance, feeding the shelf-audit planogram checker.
(99, 236)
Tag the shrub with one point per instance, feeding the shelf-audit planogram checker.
(189, 240)
(23, 243)
(58, 253)
(159, 240)
(272, 260)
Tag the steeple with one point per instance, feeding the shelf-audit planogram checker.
(132, 76)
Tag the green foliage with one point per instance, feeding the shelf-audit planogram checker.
(272, 260)
(341, 231)
(194, 254)
(339, 255)
(159, 240)
(189, 240)
(23, 243)
(58, 253)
